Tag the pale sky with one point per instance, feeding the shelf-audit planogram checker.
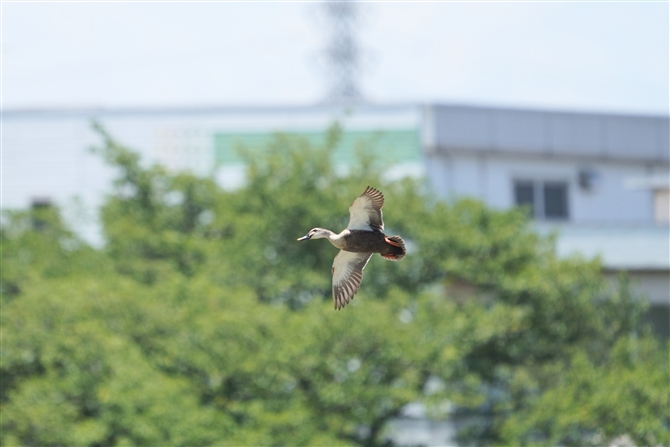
(610, 57)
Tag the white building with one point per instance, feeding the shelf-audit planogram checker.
(571, 167)
(46, 153)
(602, 180)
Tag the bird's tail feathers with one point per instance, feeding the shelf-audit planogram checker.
(400, 250)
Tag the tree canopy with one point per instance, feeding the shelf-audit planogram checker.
(203, 322)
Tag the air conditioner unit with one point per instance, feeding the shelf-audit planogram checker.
(589, 179)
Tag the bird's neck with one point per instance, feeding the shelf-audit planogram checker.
(337, 239)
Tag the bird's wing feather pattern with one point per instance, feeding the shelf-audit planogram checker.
(365, 213)
(347, 275)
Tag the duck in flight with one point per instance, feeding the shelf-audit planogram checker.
(363, 237)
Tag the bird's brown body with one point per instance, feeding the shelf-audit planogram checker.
(360, 241)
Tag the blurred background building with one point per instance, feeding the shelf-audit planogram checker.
(601, 180)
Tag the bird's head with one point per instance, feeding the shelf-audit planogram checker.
(316, 233)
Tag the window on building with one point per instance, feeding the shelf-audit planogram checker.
(555, 200)
(524, 195)
(546, 199)
(39, 207)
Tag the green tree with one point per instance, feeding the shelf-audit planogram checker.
(594, 402)
(203, 322)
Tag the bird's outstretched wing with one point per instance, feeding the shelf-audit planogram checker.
(365, 213)
(347, 276)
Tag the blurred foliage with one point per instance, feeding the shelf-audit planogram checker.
(203, 321)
